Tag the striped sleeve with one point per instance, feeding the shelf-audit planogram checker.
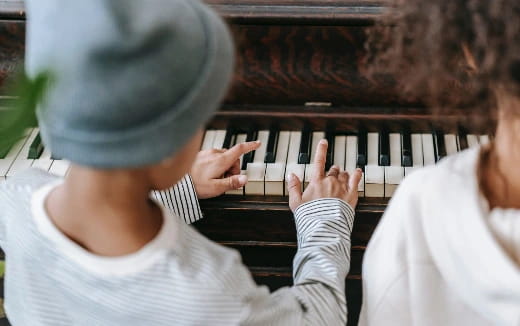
(320, 268)
(182, 200)
(322, 262)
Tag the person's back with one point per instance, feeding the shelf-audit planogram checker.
(447, 250)
(125, 102)
(53, 281)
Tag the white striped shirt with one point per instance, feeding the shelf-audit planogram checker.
(179, 278)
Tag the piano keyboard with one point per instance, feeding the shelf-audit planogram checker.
(386, 158)
(28, 152)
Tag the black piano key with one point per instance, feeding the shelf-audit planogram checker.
(384, 149)
(439, 145)
(330, 150)
(406, 149)
(463, 139)
(362, 149)
(304, 156)
(228, 139)
(252, 135)
(36, 149)
(272, 145)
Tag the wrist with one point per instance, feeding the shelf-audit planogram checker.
(326, 208)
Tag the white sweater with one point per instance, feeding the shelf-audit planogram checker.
(440, 257)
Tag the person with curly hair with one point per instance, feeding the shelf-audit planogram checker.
(447, 250)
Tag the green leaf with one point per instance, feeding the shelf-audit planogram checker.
(14, 121)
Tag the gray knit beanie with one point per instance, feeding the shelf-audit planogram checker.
(132, 80)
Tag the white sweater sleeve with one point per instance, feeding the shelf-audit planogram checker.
(319, 270)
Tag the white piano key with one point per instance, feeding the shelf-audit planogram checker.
(483, 139)
(428, 151)
(292, 159)
(218, 141)
(472, 140)
(240, 138)
(256, 170)
(374, 174)
(417, 154)
(394, 173)
(59, 168)
(209, 138)
(22, 162)
(340, 146)
(309, 168)
(351, 162)
(275, 172)
(44, 162)
(450, 141)
(8, 160)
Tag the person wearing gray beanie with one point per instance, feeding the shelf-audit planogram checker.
(132, 80)
(130, 86)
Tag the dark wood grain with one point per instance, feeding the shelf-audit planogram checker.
(347, 119)
(230, 218)
(12, 38)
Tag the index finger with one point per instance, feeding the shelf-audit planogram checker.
(238, 150)
(320, 159)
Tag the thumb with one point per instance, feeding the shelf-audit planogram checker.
(231, 183)
(294, 187)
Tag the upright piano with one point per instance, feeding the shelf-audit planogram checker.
(300, 77)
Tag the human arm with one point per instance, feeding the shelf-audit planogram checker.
(324, 215)
(320, 268)
(214, 172)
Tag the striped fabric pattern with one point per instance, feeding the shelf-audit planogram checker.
(192, 281)
(181, 200)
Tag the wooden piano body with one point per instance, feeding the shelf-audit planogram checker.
(299, 63)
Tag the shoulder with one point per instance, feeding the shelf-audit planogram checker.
(24, 184)
(456, 171)
(208, 262)
(432, 188)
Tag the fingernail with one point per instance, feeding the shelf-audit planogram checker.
(324, 142)
(258, 141)
(242, 179)
(359, 170)
(291, 177)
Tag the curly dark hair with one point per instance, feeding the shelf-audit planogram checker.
(450, 53)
